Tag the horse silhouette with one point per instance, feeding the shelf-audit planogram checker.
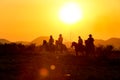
(78, 48)
(53, 47)
(60, 47)
(89, 48)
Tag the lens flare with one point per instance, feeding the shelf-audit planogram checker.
(52, 67)
(43, 72)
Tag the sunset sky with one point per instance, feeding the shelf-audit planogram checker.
(25, 20)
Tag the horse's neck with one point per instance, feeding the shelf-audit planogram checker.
(76, 44)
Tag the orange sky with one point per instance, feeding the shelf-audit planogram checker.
(24, 20)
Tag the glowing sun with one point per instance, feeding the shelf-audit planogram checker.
(70, 13)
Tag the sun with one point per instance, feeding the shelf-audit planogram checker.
(70, 13)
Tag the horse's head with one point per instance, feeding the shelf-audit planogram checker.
(73, 44)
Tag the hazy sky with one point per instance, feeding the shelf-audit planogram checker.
(25, 20)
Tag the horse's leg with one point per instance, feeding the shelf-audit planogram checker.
(82, 52)
(87, 52)
(76, 53)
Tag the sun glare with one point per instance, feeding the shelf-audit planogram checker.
(70, 13)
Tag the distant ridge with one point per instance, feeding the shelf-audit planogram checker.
(39, 40)
(23, 42)
(4, 41)
(112, 41)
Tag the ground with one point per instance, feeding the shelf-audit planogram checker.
(48, 66)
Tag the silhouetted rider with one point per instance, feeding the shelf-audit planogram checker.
(44, 45)
(51, 40)
(60, 39)
(90, 40)
(90, 45)
(80, 41)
